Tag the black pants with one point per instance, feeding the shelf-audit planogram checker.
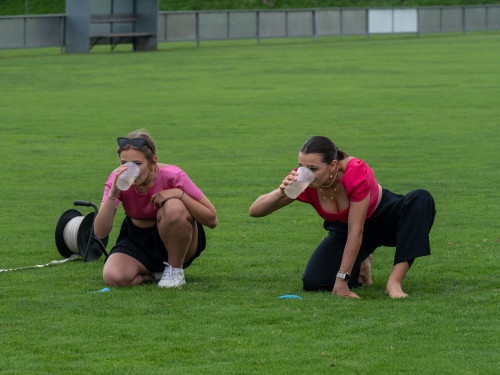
(399, 221)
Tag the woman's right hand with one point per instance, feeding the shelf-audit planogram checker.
(292, 176)
(276, 199)
(103, 223)
(340, 288)
(114, 189)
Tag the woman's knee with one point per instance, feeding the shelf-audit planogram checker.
(422, 196)
(420, 200)
(425, 200)
(311, 282)
(116, 278)
(310, 285)
(316, 279)
(173, 211)
(112, 277)
(120, 270)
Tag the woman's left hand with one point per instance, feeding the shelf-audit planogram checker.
(341, 289)
(161, 197)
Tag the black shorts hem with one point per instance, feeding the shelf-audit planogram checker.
(146, 246)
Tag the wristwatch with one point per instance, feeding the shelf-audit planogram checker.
(343, 276)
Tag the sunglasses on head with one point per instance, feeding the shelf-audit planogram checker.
(135, 142)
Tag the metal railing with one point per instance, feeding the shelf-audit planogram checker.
(197, 26)
(32, 31)
(260, 24)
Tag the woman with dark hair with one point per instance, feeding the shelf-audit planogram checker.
(163, 230)
(359, 217)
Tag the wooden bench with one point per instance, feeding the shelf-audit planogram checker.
(112, 36)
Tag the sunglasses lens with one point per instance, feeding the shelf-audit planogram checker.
(122, 141)
(137, 142)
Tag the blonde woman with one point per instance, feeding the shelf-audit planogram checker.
(162, 232)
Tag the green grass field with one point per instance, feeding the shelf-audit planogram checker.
(423, 112)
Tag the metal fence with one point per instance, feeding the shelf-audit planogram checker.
(32, 31)
(198, 26)
(258, 24)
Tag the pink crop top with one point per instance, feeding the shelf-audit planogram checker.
(358, 181)
(138, 206)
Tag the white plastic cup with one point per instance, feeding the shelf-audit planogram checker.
(128, 176)
(304, 178)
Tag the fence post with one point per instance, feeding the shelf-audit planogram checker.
(392, 21)
(341, 21)
(166, 27)
(314, 26)
(486, 17)
(418, 22)
(367, 16)
(258, 27)
(25, 22)
(197, 28)
(441, 19)
(286, 23)
(464, 20)
(62, 41)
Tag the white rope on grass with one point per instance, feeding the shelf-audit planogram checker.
(72, 257)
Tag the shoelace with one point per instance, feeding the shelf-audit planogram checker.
(168, 270)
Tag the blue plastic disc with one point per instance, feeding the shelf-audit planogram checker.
(291, 296)
(102, 290)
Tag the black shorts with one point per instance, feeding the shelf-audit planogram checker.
(400, 221)
(145, 245)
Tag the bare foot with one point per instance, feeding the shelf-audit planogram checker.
(395, 282)
(364, 273)
(394, 290)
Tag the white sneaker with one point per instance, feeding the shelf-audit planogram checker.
(172, 277)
